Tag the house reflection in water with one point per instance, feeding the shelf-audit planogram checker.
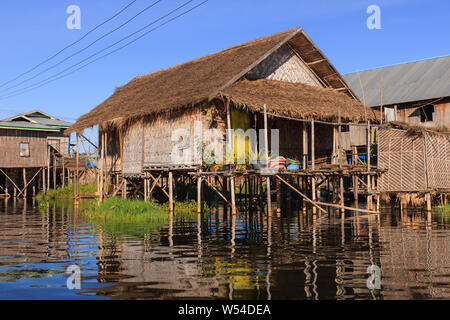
(247, 256)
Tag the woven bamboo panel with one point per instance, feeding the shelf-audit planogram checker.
(132, 149)
(403, 157)
(438, 160)
(159, 135)
(283, 65)
(414, 162)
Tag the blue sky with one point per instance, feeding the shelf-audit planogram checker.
(31, 31)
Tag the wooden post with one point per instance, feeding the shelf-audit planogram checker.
(333, 158)
(428, 200)
(48, 167)
(266, 149)
(233, 196)
(313, 162)
(230, 141)
(305, 145)
(145, 189)
(355, 177)
(63, 172)
(101, 163)
(54, 172)
(77, 190)
(24, 183)
(170, 191)
(341, 179)
(43, 180)
(124, 189)
(305, 157)
(369, 187)
(105, 163)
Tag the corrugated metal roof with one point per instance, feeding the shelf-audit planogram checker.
(53, 122)
(22, 125)
(413, 81)
(34, 120)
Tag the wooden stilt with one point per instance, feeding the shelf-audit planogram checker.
(48, 167)
(105, 164)
(313, 164)
(340, 154)
(124, 189)
(233, 196)
(77, 182)
(24, 183)
(63, 173)
(369, 182)
(101, 164)
(54, 172)
(43, 181)
(428, 200)
(266, 154)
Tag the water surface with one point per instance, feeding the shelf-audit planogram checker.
(292, 256)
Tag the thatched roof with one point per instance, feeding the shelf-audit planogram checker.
(297, 100)
(201, 79)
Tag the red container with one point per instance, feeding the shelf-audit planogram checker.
(277, 163)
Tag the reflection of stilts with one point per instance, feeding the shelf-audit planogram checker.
(269, 252)
(307, 278)
(233, 249)
(171, 230)
(429, 264)
(199, 236)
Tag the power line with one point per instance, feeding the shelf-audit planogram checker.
(83, 49)
(70, 45)
(52, 78)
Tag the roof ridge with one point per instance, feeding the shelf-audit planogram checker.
(397, 64)
(207, 56)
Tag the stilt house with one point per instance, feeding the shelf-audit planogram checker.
(26, 143)
(285, 71)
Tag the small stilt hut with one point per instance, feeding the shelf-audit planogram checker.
(282, 82)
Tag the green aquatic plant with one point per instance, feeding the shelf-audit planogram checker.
(118, 209)
(66, 192)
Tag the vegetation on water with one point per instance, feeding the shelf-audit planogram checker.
(118, 209)
(67, 192)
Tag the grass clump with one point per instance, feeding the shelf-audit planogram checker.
(124, 210)
(67, 192)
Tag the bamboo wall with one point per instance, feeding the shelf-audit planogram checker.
(414, 163)
(158, 138)
(148, 144)
(132, 149)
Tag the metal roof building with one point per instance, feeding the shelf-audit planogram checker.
(408, 82)
(35, 121)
